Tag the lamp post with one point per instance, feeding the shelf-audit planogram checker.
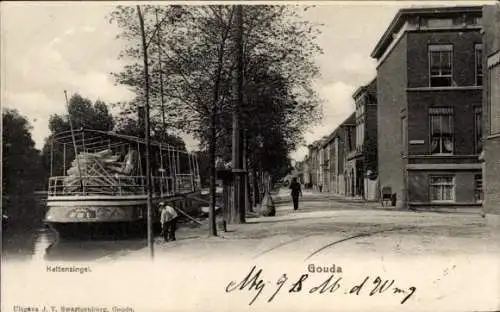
(237, 96)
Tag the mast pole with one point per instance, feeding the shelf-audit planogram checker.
(52, 157)
(162, 101)
(147, 134)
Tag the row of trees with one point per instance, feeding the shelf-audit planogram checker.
(191, 63)
(22, 170)
(190, 52)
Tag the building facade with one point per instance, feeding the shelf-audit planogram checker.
(314, 164)
(334, 167)
(364, 157)
(491, 109)
(429, 92)
(349, 146)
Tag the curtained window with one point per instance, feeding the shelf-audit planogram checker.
(442, 188)
(441, 130)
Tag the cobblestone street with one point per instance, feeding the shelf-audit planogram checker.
(349, 226)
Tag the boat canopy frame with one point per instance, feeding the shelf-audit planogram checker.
(92, 141)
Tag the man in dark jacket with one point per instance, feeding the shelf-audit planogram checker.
(296, 191)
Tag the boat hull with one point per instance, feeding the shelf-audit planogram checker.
(100, 216)
(101, 230)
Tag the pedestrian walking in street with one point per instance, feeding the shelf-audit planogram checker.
(296, 191)
(168, 220)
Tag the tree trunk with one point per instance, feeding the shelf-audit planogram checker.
(248, 205)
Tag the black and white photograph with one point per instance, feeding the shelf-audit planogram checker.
(250, 156)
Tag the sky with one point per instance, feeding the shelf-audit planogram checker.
(47, 48)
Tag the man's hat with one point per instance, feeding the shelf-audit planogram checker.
(162, 204)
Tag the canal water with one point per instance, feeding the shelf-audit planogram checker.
(42, 243)
(35, 240)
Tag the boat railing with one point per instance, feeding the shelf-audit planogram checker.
(121, 185)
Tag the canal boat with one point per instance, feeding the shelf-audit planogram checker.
(98, 181)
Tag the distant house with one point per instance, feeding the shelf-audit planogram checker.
(314, 164)
(333, 147)
(363, 159)
(334, 161)
(349, 145)
(429, 95)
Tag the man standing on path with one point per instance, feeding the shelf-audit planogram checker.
(296, 191)
(168, 220)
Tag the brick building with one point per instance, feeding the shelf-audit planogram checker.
(491, 108)
(429, 91)
(349, 144)
(334, 147)
(364, 157)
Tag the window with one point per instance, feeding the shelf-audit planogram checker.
(478, 51)
(442, 188)
(478, 129)
(440, 65)
(441, 130)
(478, 188)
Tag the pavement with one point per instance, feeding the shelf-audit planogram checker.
(362, 227)
(431, 262)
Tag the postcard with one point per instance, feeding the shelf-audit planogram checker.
(250, 156)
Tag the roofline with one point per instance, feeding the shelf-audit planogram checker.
(358, 92)
(331, 136)
(327, 139)
(345, 123)
(403, 14)
(363, 88)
